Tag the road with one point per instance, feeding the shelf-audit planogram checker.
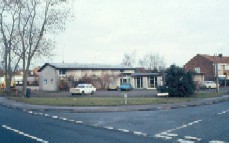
(31, 127)
(208, 124)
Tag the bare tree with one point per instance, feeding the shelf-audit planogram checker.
(152, 62)
(106, 79)
(129, 59)
(9, 38)
(25, 35)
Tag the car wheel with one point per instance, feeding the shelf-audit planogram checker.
(73, 94)
(83, 93)
(92, 92)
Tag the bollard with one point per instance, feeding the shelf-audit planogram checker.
(125, 97)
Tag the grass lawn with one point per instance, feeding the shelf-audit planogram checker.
(206, 95)
(107, 101)
(62, 101)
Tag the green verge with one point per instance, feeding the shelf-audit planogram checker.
(97, 101)
(107, 101)
(206, 95)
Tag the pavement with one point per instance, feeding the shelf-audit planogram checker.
(4, 101)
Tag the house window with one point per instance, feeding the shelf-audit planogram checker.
(226, 67)
(197, 70)
(220, 67)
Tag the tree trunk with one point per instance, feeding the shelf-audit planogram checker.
(8, 75)
(24, 83)
(24, 74)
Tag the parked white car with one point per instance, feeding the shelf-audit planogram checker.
(83, 89)
(208, 84)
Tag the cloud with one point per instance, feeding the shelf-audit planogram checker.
(178, 30)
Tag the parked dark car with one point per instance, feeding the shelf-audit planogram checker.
(125, 87)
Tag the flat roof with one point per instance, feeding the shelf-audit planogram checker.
(145, 74)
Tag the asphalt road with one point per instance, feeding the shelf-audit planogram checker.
(29, 127)
(206, 124)
(185, 125)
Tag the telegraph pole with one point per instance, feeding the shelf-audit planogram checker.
(216, 75)
(217, 79)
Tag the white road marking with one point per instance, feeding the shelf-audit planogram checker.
(192, 138)
(197, 121)
(184, 141)
(24, 134)
(163, 136)
(184, 126)
(109, 128)
(30, 112)
(70, 120)
(166, 135)
(124, 130)
(172, 135)
(54, 117)
(79, 122)
(139, 133)
(217, 141)
(223, 112)
(171, 130)
(46, 115)
(62, 118)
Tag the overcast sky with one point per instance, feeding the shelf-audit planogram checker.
(103, 30)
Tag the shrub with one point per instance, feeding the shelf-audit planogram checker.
(179, 82)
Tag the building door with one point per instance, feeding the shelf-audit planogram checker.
(138, 82)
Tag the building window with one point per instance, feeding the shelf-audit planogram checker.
(220, 67)
(227, 67)
(197, 70)
(152, 82)
(62, 72)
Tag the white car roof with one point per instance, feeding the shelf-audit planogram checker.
(84, 84)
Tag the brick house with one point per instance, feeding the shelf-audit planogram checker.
(209, 66)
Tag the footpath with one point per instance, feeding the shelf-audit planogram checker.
(4, 101)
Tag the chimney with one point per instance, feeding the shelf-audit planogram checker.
(221, 56)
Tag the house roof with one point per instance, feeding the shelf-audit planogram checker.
(85, 66)
(217, 59)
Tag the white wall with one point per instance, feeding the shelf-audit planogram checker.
(48, 79)
(145, 82)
